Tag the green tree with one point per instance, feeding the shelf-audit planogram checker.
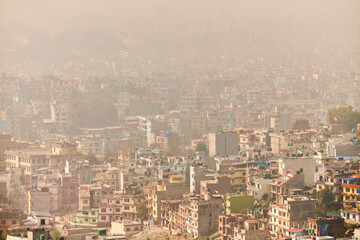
(93, 111)
(325, 202)
(142, 211)
(201, 147)
(91, 157)
(55, 234)
(301, 124)
(265, 197)
(346, 116)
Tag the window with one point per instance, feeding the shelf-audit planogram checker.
(127, 208)
(117, 209)
(3, 222)
(347, 189)
(103, 217)
(136, 228)
(93, 220)
(128, 229)
(86, 219)
(13, 222)
(103, 210)
(127, 200)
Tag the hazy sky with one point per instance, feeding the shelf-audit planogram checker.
(94, 25)
(53, 13)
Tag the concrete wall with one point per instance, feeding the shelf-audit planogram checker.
(223, 144)
(307, 164)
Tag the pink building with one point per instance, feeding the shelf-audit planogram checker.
(110, 208)
(69, 191)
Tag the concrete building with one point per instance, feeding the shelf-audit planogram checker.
(291, 213)
(307, 165)
(220, 185)
(110, 208)
(289, 182)
(10, 217)
(88, 218)
(332, 178)
(155, 194)
(334, 227)
(241, 227)
(69, 191)
(198, 173)
(125, 227)
(29, 160)
(131, 203)
(258, 187)
(40, 201)
(90, 195)
(89, 144)
(8, 144)
(169, 210)
(203, 216)
(351, 188)
(223, 144)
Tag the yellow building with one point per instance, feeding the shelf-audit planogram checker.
(130, 204)
(351, 188)
(176, 179)
(111, 178)
(29, 160)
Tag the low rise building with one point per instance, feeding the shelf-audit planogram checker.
(125, 227)
(11, 216)
(327, 227)
(291, 213)
(87, 218)
(110, 208)
(200, 217)
(258, 187)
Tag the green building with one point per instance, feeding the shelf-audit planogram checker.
(87, 218)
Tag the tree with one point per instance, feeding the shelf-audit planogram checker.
(325, 202)
(142, 211)
(93, 111)
(91, 157)
(201, 147)
(55, 234)
(346, 116)
(265, 197)
(301, 124)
